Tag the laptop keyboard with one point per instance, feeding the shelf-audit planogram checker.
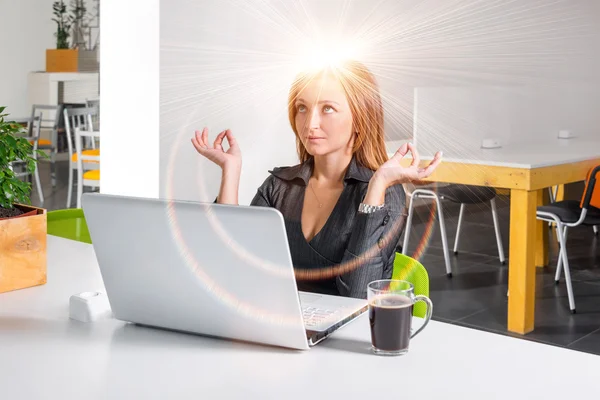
(314, 316)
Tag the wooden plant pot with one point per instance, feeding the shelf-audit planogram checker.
(23, 249)
(62, 60)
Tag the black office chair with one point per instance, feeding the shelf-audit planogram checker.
(553, 191)
(462, 194)
(468, 194)
(569, 214)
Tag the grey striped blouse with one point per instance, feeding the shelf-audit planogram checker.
(353, 248)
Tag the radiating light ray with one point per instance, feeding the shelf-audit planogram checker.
(503, 18)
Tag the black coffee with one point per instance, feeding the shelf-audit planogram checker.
(390, 317)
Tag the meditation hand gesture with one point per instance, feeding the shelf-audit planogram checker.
(232, 158)
(392, 173)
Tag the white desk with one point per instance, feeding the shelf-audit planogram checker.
(527, 169)
(523, 155)
(46, 355)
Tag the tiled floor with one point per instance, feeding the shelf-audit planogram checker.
(476, 294)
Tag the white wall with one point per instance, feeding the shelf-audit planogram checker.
(457, 118)
(129, 83)
(225, 64)
(26, 32)
(518, 79)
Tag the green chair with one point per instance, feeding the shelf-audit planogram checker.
(69, 223)
(409, 269)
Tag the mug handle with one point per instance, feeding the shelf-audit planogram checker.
(427, 301)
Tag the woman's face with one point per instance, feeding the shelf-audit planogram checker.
(323, 117)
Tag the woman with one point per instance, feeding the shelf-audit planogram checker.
(343, 204)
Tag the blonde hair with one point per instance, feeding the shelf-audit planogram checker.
(366, 107)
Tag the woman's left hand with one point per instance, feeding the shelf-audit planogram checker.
(392, 172)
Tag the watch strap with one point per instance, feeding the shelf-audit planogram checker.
(368, 208)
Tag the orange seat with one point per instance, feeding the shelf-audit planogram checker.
(93, 174)
(43, 142)
(90, 152)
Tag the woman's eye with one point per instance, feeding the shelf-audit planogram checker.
(301, 108)
(328, 109)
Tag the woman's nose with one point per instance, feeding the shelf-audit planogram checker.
(315, 119)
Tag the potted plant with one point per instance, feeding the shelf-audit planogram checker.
(63, 58)
(22, 227)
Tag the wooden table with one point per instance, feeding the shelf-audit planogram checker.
(527, 170)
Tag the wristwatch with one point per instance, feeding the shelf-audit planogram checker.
(367, 208)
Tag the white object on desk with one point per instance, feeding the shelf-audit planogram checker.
(565, 134)
(89, 306)
(490, 144)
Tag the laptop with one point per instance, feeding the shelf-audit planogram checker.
(210, 269)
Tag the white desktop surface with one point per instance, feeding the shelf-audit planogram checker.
(526, 155)
(44, 355)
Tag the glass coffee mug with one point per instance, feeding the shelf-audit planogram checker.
(390, 315)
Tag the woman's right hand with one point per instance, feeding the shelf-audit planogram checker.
(232, 158)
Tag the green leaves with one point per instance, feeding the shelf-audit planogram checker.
(10, 141)
(14, 149)
(63, 24)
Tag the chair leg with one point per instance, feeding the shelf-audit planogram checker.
(79, 192)
(562, 234)
(460, 215)
(53, 153)
(39, 185)
(408, 225)
(70, 186)
(444, 238)
(497, 229)
(596, 230)
(560, 256)
(552, 192)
